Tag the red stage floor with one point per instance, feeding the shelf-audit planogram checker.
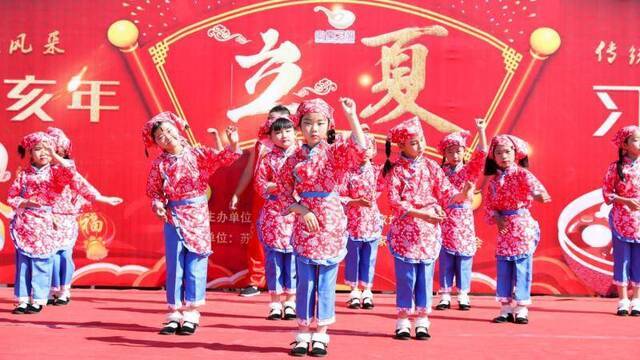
(109, 324)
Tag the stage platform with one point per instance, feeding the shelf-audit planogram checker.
(123, 324)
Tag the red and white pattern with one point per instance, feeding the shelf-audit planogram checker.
(185, 176)
(275, 229)
(625, 221)
(416, 184)
(66, 210)
(458, 230)
(513, 189)
(321, 169)
(364, 223)
(33, 229)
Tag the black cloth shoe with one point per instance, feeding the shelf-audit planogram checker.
(170, 328)
(299, 348)
(353, 303)
(444, 304)
(61, 302)
(464, 307)
(635, 313)
(422, 333)
(622, 312)
(367, 303)
(503, 319)
(52, 301)
(33, 309)
(522, 320)
(250, 291)
(274, 314)
(20, 309)
(318, 349)
(187, 328)
(289, 313)
(402, 334)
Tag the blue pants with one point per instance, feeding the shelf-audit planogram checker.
(33, 278)
(360, 263)
(63, 268)
(414, 286)
(186, 272)
(626, 263)
(457, 266)
(316, 293)
(280, 271)
(516, 274)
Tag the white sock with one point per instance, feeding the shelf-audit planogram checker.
(624, 304)
(192, 316)
(423, 322)
(445, 297)
(403, 324)
(521, 311)
(505, 309)
(367, 294)
(291, 304)
(174, 316)
(275, 306)
(321, 337)
(355, 294)
(463, 298)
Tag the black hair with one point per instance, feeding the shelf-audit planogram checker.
(22, 151)
(155, 127)
(281, 124)
(280, 108)
(619, 164)
(491, 167)
(388, 165)
(331, 136)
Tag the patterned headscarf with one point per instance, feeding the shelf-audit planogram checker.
(315, 106)
(31, 140)
(519, 146)
(405, 130)
(167, 116)
(623, 134)
(62, 142)
(263, 132)
(458, 138)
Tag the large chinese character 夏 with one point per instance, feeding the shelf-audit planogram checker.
(404, 83)
(287, 75)
(29, 103)
(94, 94)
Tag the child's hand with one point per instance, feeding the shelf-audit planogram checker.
(311, 221)
(161, 213)
(232, 135)
(271, 188)
(481, 125)
(213, 131)
(434, 215)
(544, 197)
(361, 202)
(502, 225)
(479, 243)
(233, 204)
(113, 200)
(632, 204)
(349, 106)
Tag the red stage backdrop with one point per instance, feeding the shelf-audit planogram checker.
(564, 75)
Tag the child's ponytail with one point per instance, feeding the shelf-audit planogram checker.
(619, 164)
(22, 151)
(388, 165)
(331, 136)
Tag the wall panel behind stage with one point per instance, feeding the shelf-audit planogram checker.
(223, 62)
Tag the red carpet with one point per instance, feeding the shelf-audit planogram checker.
(110, 324)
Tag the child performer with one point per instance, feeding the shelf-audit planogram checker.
(622, 189)
(32, 195)
(361, 190)
(274, 228)
(458, 232)
(316, 172)
(255, 252)
(177, 186)
(416, 186)
(508, 198)
(65, 211)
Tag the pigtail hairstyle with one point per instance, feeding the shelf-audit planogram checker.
(331, 136)
(388, 165)
(22, 151)
(524, 162)
(619, 164)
